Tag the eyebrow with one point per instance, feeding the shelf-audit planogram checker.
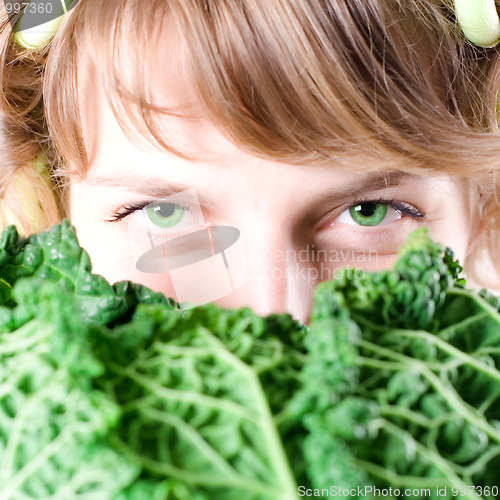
(157, 188)
(374, 181)
(161, 188)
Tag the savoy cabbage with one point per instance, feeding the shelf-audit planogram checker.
(111, 392)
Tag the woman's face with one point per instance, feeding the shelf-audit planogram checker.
(297, 224)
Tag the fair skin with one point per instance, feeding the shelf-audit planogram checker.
(279, 208)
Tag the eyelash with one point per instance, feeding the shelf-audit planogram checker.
(399, 206)
(130, 209)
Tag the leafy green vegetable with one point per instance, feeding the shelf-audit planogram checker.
(52, 421)
(114, 393)
(185, 390)
(415, 372)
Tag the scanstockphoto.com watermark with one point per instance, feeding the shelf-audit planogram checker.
(390, 492)
(36, 14)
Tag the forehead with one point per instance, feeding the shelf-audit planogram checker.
(158, 84)
(180, 113)
(251, 76)
(133, 164)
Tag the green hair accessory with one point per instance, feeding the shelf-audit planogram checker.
(31, 35)
(479, 21)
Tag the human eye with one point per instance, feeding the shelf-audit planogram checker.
(366, 226)
(156, 216)
(371, 213)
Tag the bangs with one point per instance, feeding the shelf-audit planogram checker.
(309, 81)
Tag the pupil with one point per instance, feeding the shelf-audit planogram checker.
(165, 209)
(367, 209)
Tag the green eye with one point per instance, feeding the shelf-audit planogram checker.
(165, 214)
(368, 214)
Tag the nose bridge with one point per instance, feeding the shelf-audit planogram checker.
(267, 272)
(277, 279)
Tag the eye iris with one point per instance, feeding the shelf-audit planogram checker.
(368, 214)
(165, 214)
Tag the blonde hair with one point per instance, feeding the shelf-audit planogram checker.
(302, 82)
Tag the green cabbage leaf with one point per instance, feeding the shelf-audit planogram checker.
(112, 392)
